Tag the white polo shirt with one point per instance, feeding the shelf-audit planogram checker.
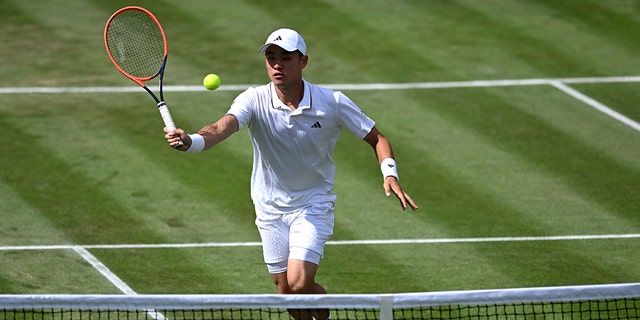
(293, 150)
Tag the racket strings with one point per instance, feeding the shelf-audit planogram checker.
(136, 43)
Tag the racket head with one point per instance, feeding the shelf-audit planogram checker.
(136, 43)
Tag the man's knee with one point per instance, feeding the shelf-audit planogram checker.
(301, 276)
(301, 286)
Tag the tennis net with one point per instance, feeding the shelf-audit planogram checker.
(615, 301)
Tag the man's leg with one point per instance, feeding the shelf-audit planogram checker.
(280, 279)
(307, 232)
(300, 279)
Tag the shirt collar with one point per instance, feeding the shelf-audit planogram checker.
(304, 104)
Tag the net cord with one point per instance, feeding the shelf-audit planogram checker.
(505, 296)
(375, 301)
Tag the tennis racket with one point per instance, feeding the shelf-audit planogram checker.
(137, 46)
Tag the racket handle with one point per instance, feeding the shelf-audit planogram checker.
(168, 120)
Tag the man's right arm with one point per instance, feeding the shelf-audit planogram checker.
(207, 137)
(219, 130)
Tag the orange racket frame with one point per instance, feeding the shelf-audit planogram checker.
(138, 80)
(162, 106)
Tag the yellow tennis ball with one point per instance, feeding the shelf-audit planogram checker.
(211, 81)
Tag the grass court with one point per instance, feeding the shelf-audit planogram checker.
(514, 124)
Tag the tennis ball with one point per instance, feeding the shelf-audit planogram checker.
(211, 81)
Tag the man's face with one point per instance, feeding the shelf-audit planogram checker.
(284, 67)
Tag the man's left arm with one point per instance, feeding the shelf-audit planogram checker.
(384, 153)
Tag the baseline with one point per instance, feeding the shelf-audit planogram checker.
(331, 243)
(346, 86)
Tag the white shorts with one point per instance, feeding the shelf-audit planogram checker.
(284, 235)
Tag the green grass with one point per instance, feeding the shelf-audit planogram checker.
(515, 161)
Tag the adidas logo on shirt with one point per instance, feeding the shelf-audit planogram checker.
(316, 125)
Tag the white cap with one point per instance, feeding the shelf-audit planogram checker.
(287, 39)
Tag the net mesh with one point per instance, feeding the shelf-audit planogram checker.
(620, 301)
(136, 43)
(605, 309)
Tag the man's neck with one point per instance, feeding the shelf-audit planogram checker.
(291, 95)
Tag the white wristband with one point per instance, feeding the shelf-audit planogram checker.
(197, 143)
(388, 168)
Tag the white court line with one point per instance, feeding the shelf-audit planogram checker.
(559, 83)
(98, 265)
(595, 104)
(112, 277)
(336, 242)
(346, 86)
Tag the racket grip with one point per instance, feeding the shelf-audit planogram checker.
(168, 120)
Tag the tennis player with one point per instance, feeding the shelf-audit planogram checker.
(294, 126)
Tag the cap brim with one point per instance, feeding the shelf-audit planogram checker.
(264, 48)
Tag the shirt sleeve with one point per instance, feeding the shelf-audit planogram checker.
(352, 117)
(241, 108)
